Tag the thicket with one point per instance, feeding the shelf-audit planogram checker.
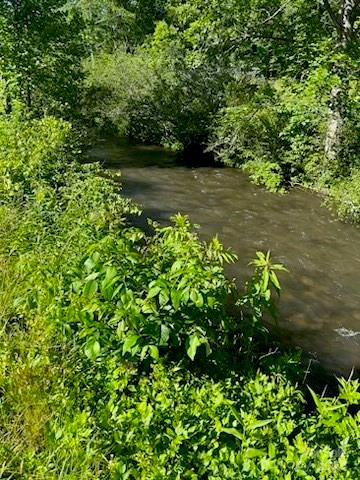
(268, 86)
(119, 356)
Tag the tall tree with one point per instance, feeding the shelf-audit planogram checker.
(343, 15)
(40, 54)
(111, 24)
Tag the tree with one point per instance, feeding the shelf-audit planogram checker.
(111, 24)
(40, 55)
(343, 15)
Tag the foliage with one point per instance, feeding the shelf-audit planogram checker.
(156, 95)
(266, 173)
(40, 56)
(345, 197)
(35, 157)
(84, 392)
(176, 426)
(120, 357)
(271, 86)
(113, 24)
(115, 83)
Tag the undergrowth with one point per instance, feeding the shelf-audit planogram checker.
(119, 357)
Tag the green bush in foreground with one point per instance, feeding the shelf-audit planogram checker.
(119, 359)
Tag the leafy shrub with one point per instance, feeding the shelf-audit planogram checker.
(174, 425)
(115, 84)
(277, 129)
(88, 304)
(159, 94)
(344, 197)
(141, 296)
(251, 129)
(32, 153)
(266, 173)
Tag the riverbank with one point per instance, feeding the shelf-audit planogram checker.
(320, 300)
(119, 358)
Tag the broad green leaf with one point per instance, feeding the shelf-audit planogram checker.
(193, 343)
(197, 298)
(129, 343)
(154, 291)
(92, 349)
(164, 335)
(154, 352)
(91, 288)
(176, 298)
(163, 297)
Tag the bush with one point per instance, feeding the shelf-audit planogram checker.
(266, 173)
(115, 84)
(174, 425)
(107, 335)
(159, 94)
(251, 129)
(33, 153)
(276, 129)
(344, 197)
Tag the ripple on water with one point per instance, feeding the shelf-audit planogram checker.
(321, 296)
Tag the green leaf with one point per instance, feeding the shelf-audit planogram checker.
(164, 335)
(259, 424)
(108, 283)
(163, 297)
(234, 433)
(275, 281)
(236, 414)
(193, 343)
(176, 298)
(91, 288)
(149, 307)
(144, 352)
(129, 343)
(154, 291)
(154, 352)
(197, 298)
(89, 265)
(92, 349)
(254, 452)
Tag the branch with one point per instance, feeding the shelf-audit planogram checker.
(332, 15)
(283, 6)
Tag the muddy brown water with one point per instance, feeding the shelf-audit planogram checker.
(320, 304)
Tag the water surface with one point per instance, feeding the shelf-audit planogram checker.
(321, 297)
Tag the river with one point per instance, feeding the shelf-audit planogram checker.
(320, 303)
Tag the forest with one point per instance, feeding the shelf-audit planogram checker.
(127, 352)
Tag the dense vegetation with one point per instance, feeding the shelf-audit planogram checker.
(268, 86)
(120, 355)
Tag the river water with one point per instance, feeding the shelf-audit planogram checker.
(320, 304)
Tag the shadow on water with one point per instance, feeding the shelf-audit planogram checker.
(321, 296)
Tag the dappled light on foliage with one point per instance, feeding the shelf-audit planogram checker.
(127, 353)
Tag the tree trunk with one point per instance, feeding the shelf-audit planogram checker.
(344, 26)
(334, 128)
(346, 15)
